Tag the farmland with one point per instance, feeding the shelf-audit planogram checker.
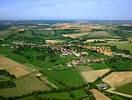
(65, 61)
(120, 45)
(118, 78)
(28, 84)
(53, 73)
(13, 67)
(98, 95)
(23, 77)
(125, 63)
(91, 76)
(100, 34)
(76, 35)
(125, 88)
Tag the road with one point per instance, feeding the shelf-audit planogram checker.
(123, 55)
(118, 93)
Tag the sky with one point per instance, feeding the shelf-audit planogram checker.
(65, 9)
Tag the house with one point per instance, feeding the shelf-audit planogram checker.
(102, 86)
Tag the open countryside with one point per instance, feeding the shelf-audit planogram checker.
(57, 67)
(65, 49)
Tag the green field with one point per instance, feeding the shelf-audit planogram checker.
(65, 95)
(63, 75)
(98, 66)
(127, 89)
(5, 33)
(119, 64)
(24, 85)
(116, 97)
(85, 68)
(77, 94)
(62, 95)
(31, 36)
(100, 34)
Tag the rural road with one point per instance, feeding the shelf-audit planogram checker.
(123, 55)
(80, 74)
(118, 93)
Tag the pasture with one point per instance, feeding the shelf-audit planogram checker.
(25, 85)
(99, 34)
(127, 88)
(65, 95)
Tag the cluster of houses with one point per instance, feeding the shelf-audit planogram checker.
(84, 61)
(95, 60)
(102, 86)
(80, 55)
(100, 49)
(67, 51)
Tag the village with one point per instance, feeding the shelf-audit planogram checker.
(65, 59)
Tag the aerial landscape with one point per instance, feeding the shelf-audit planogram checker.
(65, 55)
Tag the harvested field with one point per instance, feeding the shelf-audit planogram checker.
(25, 85)
(98, 95)
(117, 79)
(76, 35)
(14, 67)
(91, 76)
(53, 41)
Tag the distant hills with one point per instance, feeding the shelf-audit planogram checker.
(65, 21)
